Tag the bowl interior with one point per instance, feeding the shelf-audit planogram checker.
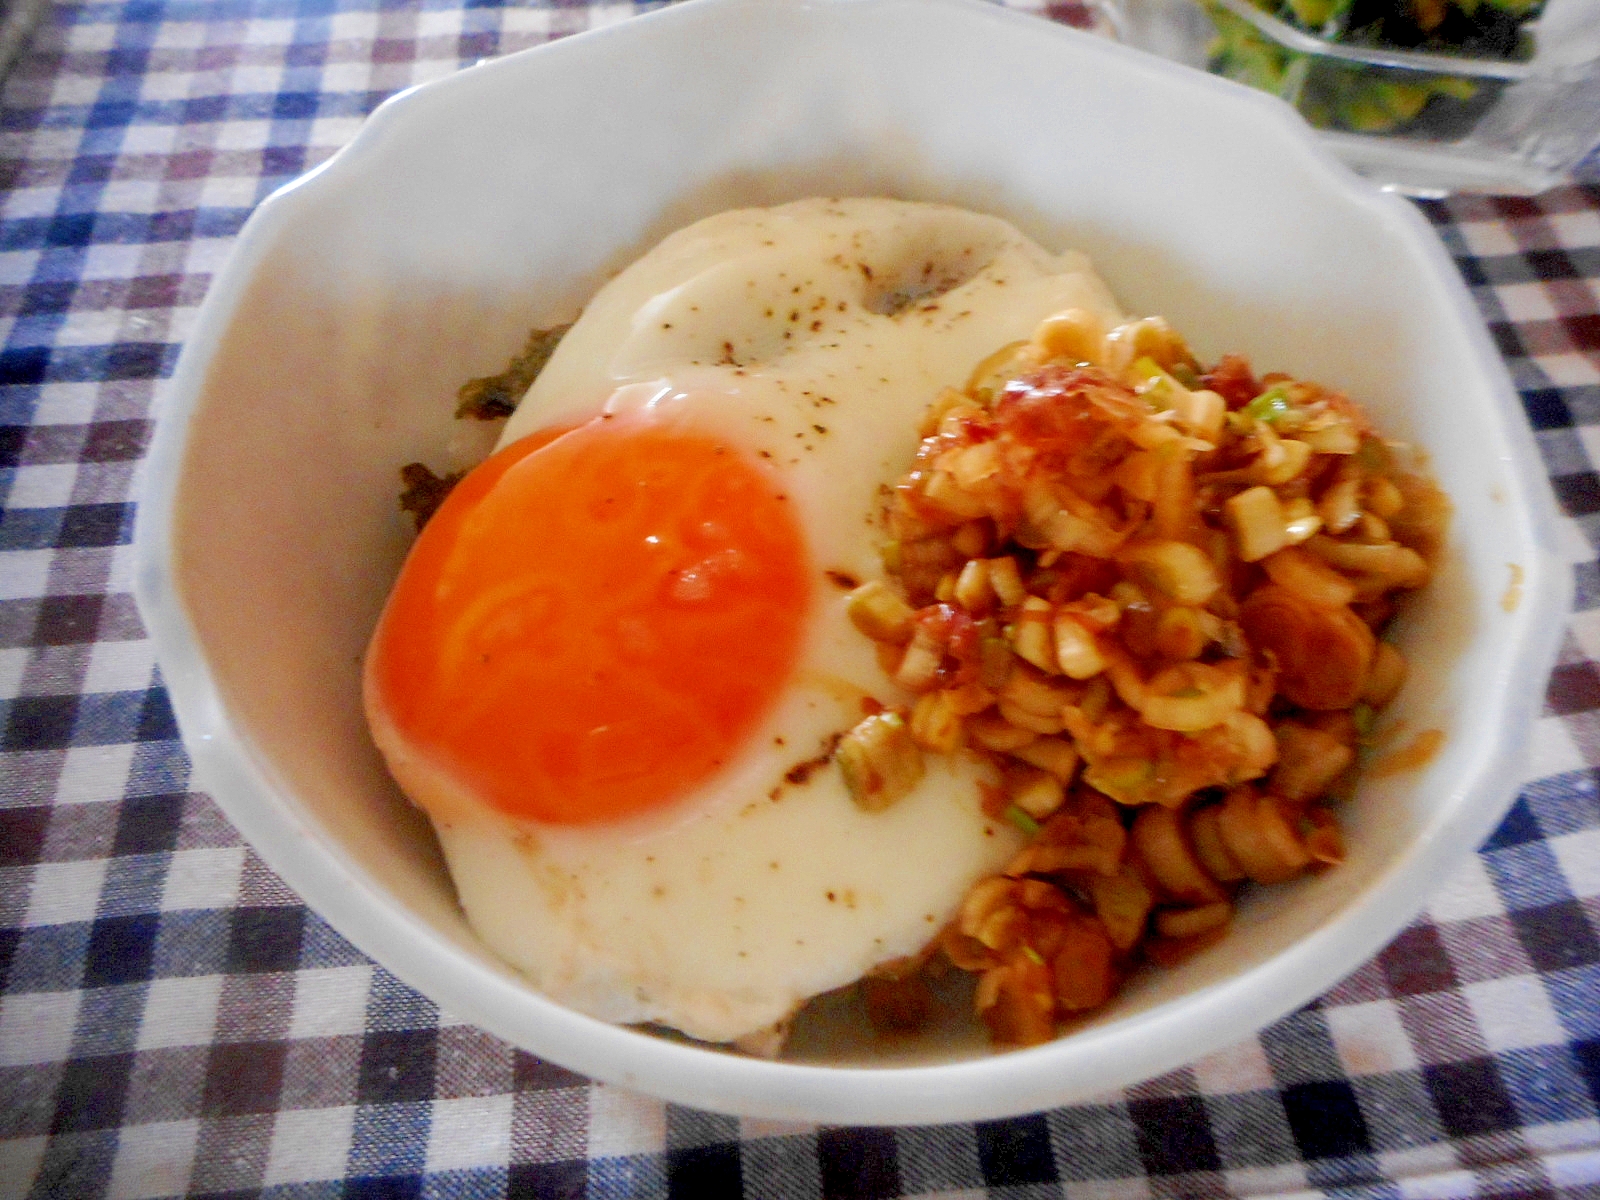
(473, 210)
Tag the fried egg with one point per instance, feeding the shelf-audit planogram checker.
(614, 664)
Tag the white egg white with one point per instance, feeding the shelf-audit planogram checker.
(811, 336)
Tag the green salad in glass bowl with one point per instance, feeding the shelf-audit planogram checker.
(1427, 95)
(1365, 96)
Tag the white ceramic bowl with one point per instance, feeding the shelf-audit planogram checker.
(469, 210)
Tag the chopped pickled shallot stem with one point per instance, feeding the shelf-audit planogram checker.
(1204, 413)
(1006, 581)
(1300, 520)
(935, 725)
(1077, 655)
(880, 760)
(1281, 459)
(1177, 570)
(1340, 506)
(972, 589)
(877, 611)
(1030, 636)
(1257, 520)
(1038, 794)
(1338, 437)
(944, 491)
(919, 669)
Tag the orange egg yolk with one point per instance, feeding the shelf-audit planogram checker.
(594, 621)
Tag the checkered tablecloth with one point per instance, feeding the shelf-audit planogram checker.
(173, 1019)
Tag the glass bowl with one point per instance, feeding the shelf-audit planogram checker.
(1506, 103)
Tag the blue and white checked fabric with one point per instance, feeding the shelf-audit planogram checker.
(174, 1021)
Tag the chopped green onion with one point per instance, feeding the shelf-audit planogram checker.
(1022, 820)
(1271, 405)
(1033, 955)
(1158, 388)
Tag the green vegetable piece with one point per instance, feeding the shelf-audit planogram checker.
(1455, 86)
(1402, 101)
(1338, 19)
(1292, 86)
(1147, 368)
(1313, 14)
(1271, 406)
(1362, 113)
(1158, 388)
(1022, 820)
(1242, 54)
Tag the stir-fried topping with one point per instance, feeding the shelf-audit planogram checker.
(1151, 594)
